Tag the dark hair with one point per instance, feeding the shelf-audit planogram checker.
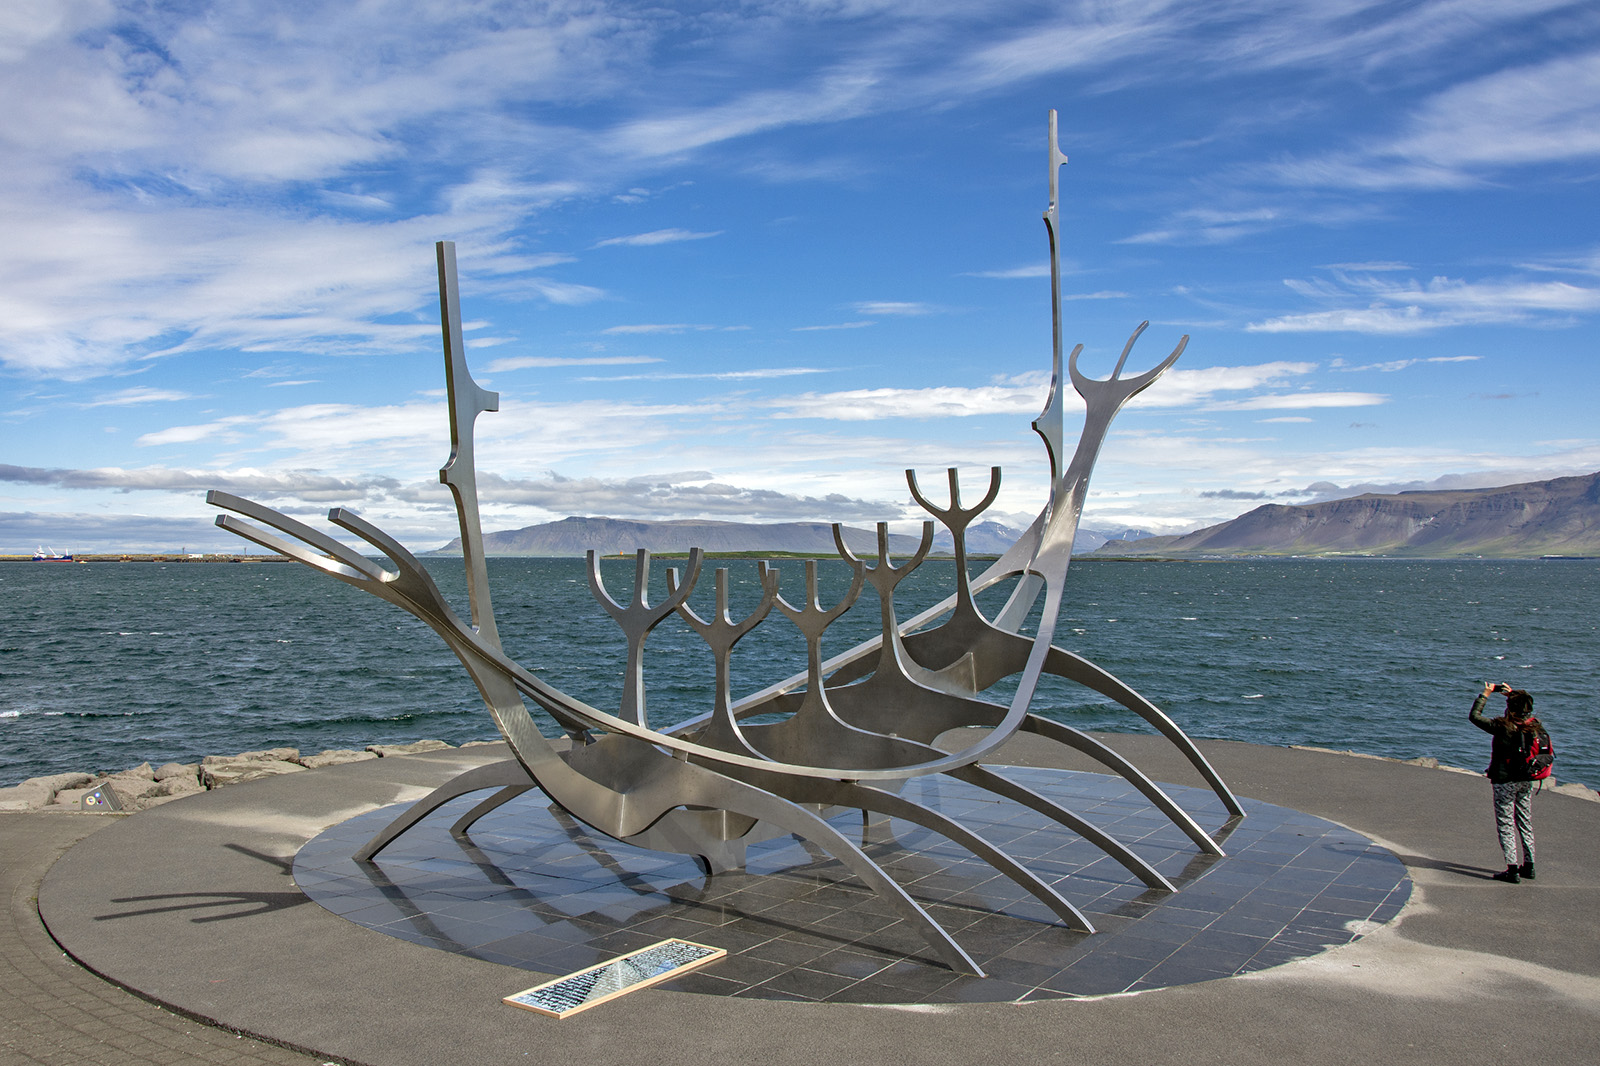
(1519, 711)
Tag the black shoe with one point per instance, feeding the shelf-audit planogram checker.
(1511, 875)
(1526, 871)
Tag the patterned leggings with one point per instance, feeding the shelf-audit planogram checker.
(1513, 817)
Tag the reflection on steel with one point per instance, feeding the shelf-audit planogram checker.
(845, 733)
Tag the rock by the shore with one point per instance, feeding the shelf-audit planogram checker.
(269, 755)
(142, 787)
(37, 792)
(237, 771)
(177, 769)
(335, 757)
(414, 748)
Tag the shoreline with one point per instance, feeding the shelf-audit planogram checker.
(144, 786)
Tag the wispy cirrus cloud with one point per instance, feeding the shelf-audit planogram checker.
(1207, 226)
(139, 395)
(654, 237)
(832, 326)
(755, 374)
(1032, 270)
(1203, 389)
(550, 362)
(866, 405)
(895, 308)
(1537, 114)
(1409, 306)
(1392, 366)
(1296, 401)
(669, 328)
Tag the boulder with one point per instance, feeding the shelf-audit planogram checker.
(481, 743)
(236, 771)
(178, 786)
(38, 792)
(68, 798)
(335, 757)
(142, 770)
(1424, 760)
(130, 787)
(178, 769)
(269, 755)
(25, 797)
(57, 782)
(414, 748)
(1577, 789)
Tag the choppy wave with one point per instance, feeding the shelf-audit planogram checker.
(110, 665)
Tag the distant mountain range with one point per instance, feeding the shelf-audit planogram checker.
(1558, 517)
(613, 536)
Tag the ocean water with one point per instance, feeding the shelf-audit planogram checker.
(106, 665)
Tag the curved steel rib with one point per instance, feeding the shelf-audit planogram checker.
(622, 790)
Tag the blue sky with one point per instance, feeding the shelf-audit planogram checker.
(749, 261)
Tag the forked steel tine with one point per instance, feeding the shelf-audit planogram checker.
(955, 513)
(328, 566)
(719, 620)
(1116, 389)
(413, 578)
(316, 538)
(812, 611)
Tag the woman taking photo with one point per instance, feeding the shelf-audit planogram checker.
(1520, 755)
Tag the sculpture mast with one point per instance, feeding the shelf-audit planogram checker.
(467, 401)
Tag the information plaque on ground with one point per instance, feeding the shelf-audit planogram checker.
(626, 973)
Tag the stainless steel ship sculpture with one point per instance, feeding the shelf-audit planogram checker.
(849, 731)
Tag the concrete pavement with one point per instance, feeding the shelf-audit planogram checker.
(192, 904)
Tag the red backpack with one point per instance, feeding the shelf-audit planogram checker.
(1541, 757)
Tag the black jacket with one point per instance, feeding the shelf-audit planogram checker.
(1508, 754)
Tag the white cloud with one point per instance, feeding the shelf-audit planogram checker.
(1402, 307)
(1534, 115)
(659, 236)
(894, 308)
(139, 395)
(835, 325)
(1207, 226)
(1293, 401)
(721, 375)
(832, 96)
(1394, 365)
(659, 327)
(1034, 270)
(190, 434)
(862, 405)
(1370, 320)
(1182, 387)
(532, 362)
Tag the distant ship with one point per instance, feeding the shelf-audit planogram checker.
(50, 555)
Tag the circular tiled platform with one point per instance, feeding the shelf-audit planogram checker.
(533, 889)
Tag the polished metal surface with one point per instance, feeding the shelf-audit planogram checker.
(850, 732)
